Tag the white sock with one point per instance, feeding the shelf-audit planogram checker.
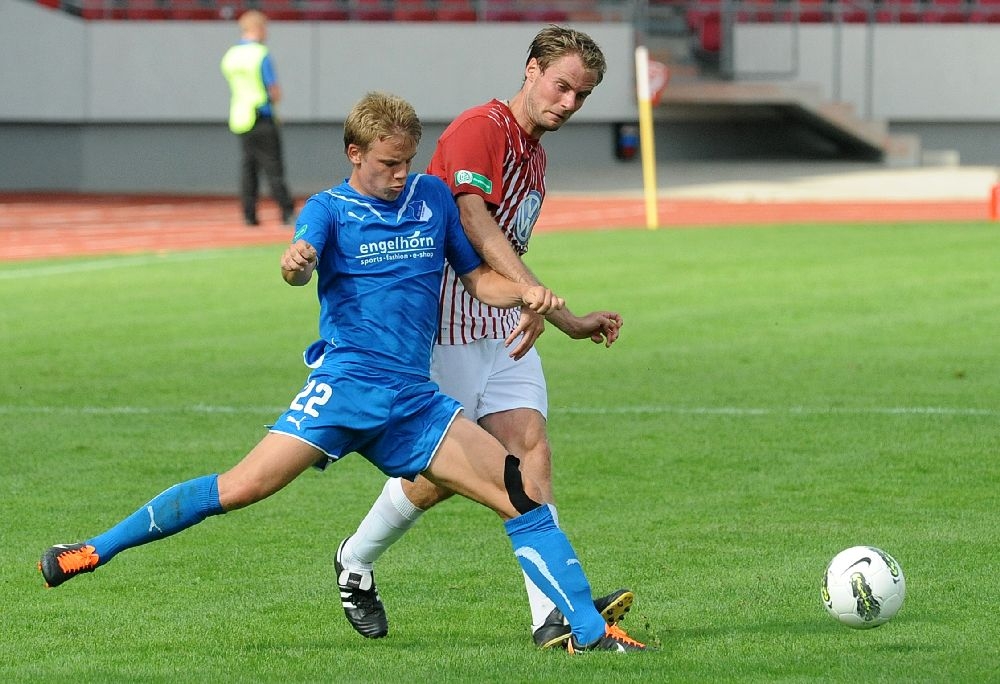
(540, 604)
(389, 518)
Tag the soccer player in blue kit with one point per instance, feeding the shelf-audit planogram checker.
(379, 242)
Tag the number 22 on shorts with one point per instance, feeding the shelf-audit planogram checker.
(314, 394)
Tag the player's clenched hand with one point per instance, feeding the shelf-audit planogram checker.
(541, 299)
(529, 327)
(299, 255)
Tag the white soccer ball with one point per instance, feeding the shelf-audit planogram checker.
(863, 587)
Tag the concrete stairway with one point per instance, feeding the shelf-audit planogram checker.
(854, 136)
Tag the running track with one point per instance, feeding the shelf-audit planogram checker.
(43, 227)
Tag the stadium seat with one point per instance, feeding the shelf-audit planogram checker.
(696, 12)
(455, 10)
(946, 12)
(371, 10)
(194, 10)
(590, 15)
(851, 12)
(324, 10)
(102, 9)
(763, 11)
(899, 11)
(279, 10)
(985, 12)
(552, 15)
(710, 34)
(147, 10)
(813, 11)
(413, 10)
(503, 10)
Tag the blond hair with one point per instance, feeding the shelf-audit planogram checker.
(378, 116)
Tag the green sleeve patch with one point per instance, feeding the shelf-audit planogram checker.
(301, 231)
(477, 180)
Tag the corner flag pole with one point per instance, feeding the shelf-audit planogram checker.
(646, 136)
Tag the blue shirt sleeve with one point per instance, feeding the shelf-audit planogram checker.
(268, 72)
(315, 224)
(459, 252)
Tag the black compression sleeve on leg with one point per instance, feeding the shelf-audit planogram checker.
(515, 486)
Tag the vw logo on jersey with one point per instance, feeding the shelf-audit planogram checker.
(527, 214)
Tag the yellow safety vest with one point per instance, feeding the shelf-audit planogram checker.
(241, 67)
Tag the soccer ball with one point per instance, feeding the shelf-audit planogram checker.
(863, 587)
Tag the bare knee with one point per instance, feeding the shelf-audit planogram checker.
(235, 492)
(536, 463)
(423, 493)
(523, 432)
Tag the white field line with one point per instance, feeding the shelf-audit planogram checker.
(577, 410)
(109, 263)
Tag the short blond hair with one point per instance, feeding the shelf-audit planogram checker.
(378, 116)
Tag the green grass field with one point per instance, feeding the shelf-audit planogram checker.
(778, 394)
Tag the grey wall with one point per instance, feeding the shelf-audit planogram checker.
(141, 107)
(105, 106)
(894, 72)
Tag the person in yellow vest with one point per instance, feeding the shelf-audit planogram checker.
(254, 95)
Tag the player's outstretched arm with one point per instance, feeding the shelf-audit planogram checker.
(298, 263)
(599, 326)
(491, 288)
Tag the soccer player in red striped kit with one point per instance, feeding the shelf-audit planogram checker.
(491, 158)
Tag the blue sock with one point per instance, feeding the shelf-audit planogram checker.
(547, 557)
(171, 511)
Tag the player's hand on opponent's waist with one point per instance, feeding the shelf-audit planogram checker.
(529, 327)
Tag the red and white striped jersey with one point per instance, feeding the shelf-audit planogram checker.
(485, 152)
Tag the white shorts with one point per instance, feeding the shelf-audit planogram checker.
(484, 379)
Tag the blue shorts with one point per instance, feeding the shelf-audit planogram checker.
(395, 422)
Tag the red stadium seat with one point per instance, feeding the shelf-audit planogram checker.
(147, 10)
(901, 11)
(413, 10)
(710, 34)
(698, 10)
(588, 15)
(279, 10)
(503, 10)
(813, 11)
(371, 10)
(455, 10)
(546, 15)
(102, 9)
(324, 10)
(852, 13)
(763, 11)
(946, 12)
(193, 10)
(985, 12)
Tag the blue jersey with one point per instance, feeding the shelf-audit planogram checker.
(379, 270)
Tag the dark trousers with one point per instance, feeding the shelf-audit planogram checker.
(262, 153)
